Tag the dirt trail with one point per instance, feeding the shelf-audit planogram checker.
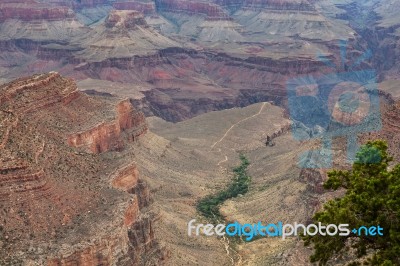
(227, 246)
(225, 160)
(229, 250)
(244, 119)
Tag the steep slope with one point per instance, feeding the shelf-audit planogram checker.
(123, 34)
(195, 158)
(62, 205)
(241, 57)
(38, 22)
(182, 58)
(146, 7)
(378, 24)
(29, 30)
(269, 27)
(44, 36)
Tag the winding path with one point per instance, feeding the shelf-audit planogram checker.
(225, 160)
(244, 119)
(224, 239)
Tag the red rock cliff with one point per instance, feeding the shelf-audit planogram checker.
(135, 238)
(129, 124)
(33, 11)
(298, 5)
(61, 206)
(145, 8)
(211, 10)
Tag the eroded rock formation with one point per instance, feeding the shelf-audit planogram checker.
(127, 20)
(148, 8)
(210, 10)
(297, 5)
(129, 125)
(59, 204)
(33, 11)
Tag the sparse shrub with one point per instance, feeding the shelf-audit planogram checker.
(209, 206)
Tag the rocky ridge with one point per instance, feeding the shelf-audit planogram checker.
(221, 54)
(64, 205)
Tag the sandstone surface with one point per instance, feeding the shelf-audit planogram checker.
(61, 202)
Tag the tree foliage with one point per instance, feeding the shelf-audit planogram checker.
(209, 206)
(372, 198)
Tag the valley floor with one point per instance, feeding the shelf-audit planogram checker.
(187, 161)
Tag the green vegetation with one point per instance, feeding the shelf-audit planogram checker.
(209, 206)
(372, 198)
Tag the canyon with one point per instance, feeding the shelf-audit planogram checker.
(141, 108)
(59, 205)
(185, 58)
(94, 182)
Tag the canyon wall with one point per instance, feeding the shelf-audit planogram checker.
(303, 5)
(210, 10)
(131, 20)
(135, 237)
(251, 80)
(63, 205)
(390, 115)
(214, 65)
(30, 12)
(148, 8)
(128, 126)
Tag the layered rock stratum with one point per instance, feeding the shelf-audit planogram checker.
(183, 58)
(67, 196)
(70, 188)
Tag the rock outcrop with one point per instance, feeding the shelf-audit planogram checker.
(191, 57)
(124, 35)
(210, 10)
(295, 5)
(390, 131)
(125, 20)
(133, 241)
(62, 205)
(314, 180)
(33, 11)
(129, 125)
(147, 8)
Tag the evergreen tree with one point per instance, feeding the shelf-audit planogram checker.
(372, 198)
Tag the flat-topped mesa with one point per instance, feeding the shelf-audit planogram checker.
(145, 8)
(34, 11)
(210, 10)
(284, 5)
(107, 136)
(128, 19)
